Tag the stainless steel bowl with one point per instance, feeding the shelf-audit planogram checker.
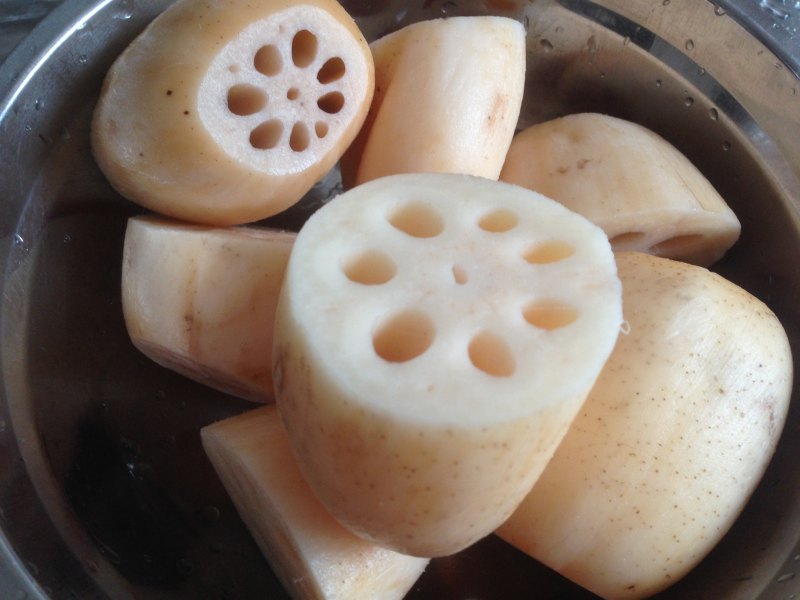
(104, 488)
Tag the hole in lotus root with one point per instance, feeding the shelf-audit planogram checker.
(331, 103)
(370, 267)
(491, 354)
(292, 93)
(267, 135)
(548, 252)
(244, 99)
(268, 61)
(404, 336)
(321, 129)
(417, 219)
(459, 274)
(299, 139)
(304, 48)
(550, 314)
(331, 71)
(499, 221)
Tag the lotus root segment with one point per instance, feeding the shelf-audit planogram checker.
(435, 336)
(226, 112)
(671, 442)
(640, 189)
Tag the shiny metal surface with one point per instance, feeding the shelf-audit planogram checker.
(104, 489)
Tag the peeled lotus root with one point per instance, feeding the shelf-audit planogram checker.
(226, 112)
(435, 336)
(632, 183)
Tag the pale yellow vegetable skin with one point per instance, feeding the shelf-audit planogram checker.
(447, 98)
(227, 111)
(672, 440)
(637, 187)
(435, 335)
(314, 557)
(201, 301)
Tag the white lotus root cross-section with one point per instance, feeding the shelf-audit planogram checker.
(228, 112)
(435, 336)
(641, 190)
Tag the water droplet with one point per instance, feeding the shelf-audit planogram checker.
(701, 71)
(85, 29)
(689, 45)
(776, 8)
(785, 577)
(726, 146)
(124, 10)
(658, 83)
(83, 59)
(719, 11)
(713, 114)
(626, 40)
(67, 238)
(38, 104)
(546, 45)
(18, 239)
(688, 101)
